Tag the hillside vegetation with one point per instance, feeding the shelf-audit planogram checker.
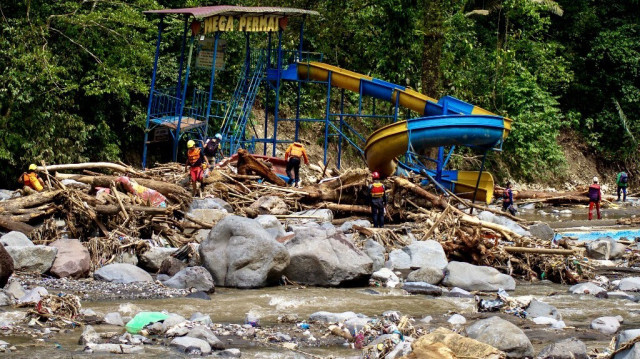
(75, 74)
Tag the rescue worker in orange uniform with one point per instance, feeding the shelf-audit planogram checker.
(378, 200)
(194, 165)
(295, 152)
(31, 181)
(595, 195)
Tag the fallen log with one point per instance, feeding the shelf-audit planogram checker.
(580, 196)
(8, 225)
(346, 208)
(33, 200)
(564, 252)
(247, 163)
(88, 165)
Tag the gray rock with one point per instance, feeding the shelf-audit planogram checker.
(318, 259)
(5, 194)
(201, 235)
(329, 317)
(422, 288)
(281, 337)
(15, 238)
(198, 295)
(114, 318)
(631, 284)
(617, 249)
(570, 348)
(127, 257)
(420, 254)
(504, 221)
(151, 260)
(599, 249)
(32, 258)
(502, 335)
(606, 325)
(204, 333)
(192, 277)
(270, 205)
(356, 324)
(186, 344)
(201, 318)
(542, 231)
(322, 215)
(272, 225)
(376, 252)
(386, 277)
(5, 299)
(229, 353)
(114, 348)
(122, 273)
(631, 353)
(210, 203)
(88, 336)
(618, 294)
(537, 308)
(14, 289)
(626, 336)
(171, 265)
(212, 216)
(72, 260)
(586, 288)
(457, 319)
(459, 293)
(348, 225)
(240, 253)
(399, 351)
(470, 277)
(429, 275)
(33, 296)
(172, 321)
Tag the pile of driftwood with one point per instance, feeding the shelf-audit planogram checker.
(116, 222)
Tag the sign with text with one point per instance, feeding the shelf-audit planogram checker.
(205, 55)
(263, 23)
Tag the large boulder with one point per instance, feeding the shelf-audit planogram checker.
(122, 273)
(503, 335)
(192, 277)
(606, 325)
(240, 253)
(6, 266)
(151, 259)
(269, 205)
(272, 225)
(422, 288)
(471, 277)
(348, 225)
(623, 338)
(376, 252)
(461, 347)
(15, 238)
(204, 333)
(537, 308)
(319, 259)
(586, 288)
(631, 284)
(570, 348)
(73, 259)
(542, 231)
(429, 275)
(171, 265)
(32, 258)
(417, 255)
(212, 216)
(599, 249)
(186, 344)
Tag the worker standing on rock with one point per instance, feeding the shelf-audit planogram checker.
(595, 195)
(194, 165)
(211, 148)
(30, 180)
(378, 200)
(507, 200)
(294, 153)
(622, 181)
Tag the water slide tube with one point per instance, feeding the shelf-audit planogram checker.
(446, 122)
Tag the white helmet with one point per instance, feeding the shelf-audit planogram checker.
(218, 136)
(595, 179)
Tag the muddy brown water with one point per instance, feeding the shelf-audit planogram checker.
(232, 305)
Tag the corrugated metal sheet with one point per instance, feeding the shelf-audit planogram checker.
(206, 11)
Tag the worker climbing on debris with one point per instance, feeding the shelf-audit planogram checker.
(30, 180)
(211, 149)
(294, 153)
(378, 200)
(622, 181)
(195, 166)
(595, 195)
(507, 200)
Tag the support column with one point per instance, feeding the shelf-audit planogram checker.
(267, 91)
(182, 47)
(153, 88)
(341, 133)
(475, 192)
(326, 119)
(176, 139)
(212, 81)
(277, 107)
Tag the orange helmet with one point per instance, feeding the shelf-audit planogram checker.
(375, 175)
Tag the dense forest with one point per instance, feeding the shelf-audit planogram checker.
(75, 74)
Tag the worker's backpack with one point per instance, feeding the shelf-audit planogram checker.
(624, 178)
(210, 147)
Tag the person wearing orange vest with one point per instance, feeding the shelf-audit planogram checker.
(194, 165)
(595, 195)
(31, 181)
(507, 200)
(294, 153)
(378, 200)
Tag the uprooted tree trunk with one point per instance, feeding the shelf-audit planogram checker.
(247, 164)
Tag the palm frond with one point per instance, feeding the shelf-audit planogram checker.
(477, 12)
(623, 119)
(551, 5)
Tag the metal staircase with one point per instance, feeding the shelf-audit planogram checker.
(239, 108)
